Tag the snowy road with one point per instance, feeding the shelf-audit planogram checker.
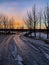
(8, 52)
(5, 41)
(34, 52)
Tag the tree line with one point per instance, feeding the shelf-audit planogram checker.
(32, 20)
(35, 18)
(6, 23)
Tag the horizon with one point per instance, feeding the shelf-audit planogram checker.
(18, 8)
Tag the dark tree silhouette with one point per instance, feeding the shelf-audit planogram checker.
(11, 25)
(40, 19)
(5, 21)
(29, 21)
(34, 18)
(46, 17)
(0, 21)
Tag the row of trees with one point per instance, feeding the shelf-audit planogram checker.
(34, 18)
(6, 23)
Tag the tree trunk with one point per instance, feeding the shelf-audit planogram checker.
(47, 33)
(35, 29)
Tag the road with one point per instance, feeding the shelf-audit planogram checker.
(8, 52)
(33, 52)
(4, 49)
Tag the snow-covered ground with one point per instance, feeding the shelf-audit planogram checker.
(38, 34)
(9, 52)
(14, 53)
(43, 35)
(30, 50)
(35, 52)
(2, 38)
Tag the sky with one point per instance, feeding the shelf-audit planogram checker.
(19, 8)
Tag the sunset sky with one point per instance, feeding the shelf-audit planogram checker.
(18, 8)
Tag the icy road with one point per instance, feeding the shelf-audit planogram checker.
(33, 52)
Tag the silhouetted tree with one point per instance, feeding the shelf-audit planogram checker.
(22, 27)
(29, 21)
(5, 21)
(0, 21)
(40, 21)
(11, 23)
(34, 18)
(46, 16)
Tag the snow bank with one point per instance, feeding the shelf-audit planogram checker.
(43, 35)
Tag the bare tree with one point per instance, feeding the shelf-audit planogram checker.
(5, 21)
(46, 17)
(29, 21)
(0, 21)
(11, 23)
(40, 19)
(34, 19)
(22, 27)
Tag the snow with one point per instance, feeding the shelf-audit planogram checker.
(47, 55)
(20, 63)
(2, 38)
(12, 49)
(35, 63)
(38, 46)
(43, 35)
(38, 42)
(14, 52)
(9, 52)
(19, 58)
